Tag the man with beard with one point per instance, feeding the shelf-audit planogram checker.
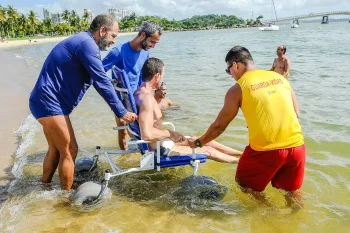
(70, 69)
(130, 57)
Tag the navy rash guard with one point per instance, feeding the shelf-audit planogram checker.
(70, 69)
(128, 59)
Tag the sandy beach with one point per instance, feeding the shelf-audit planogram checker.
(15, 90)
(14, 43)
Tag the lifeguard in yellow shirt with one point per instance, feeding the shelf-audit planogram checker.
(276, 151)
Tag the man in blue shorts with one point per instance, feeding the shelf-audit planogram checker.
(130, 57)
(70, 69)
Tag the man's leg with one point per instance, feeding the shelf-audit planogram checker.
(51, 160)
(256, 169)
(209, 151)
(224, 149)
(60, 131)
(290, 176)
(122, 134)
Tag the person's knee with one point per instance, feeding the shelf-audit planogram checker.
(210, 150)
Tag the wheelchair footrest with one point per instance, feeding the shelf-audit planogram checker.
(174, 161)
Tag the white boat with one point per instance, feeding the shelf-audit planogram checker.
(294, 25)
(270, 27)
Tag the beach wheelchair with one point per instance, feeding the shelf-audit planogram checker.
(90, 193)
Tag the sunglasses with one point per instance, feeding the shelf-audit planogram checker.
(228, 69)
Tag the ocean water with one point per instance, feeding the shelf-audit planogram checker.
(194, 73)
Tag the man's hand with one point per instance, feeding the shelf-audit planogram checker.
(190, 142)
(176, 137)
(129, 117)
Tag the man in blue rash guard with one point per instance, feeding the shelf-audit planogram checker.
(130, 57)
(70, 69)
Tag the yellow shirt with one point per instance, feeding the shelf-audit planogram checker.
(268, 109)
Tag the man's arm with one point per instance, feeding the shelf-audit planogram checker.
(273, 65)
(90, 57)
(171, 103)
(146, 123)
(287, 68)
(227, 114)
(295, 104)
(111, 59)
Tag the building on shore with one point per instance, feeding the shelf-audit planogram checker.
(118, 14)
(47, 14)
(56, 18)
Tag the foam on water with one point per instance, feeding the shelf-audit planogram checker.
(26, 132)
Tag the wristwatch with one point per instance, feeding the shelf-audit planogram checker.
(197, 143)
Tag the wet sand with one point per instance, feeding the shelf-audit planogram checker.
(13, 43)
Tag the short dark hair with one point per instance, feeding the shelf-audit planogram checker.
(239, 54)
(149, 27)
(103, 20)
(151, 67)
(162, 85)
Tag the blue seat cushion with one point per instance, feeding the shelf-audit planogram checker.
(174, 161)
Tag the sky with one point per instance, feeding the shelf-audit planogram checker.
(180, 9)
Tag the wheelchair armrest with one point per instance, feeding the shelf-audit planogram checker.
(169, 123)
(137, 142)
(120, 127)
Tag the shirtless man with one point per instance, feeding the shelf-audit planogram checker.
(160, 94)
(281, 64)
(150, 120)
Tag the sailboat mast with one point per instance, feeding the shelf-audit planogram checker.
(274, 8)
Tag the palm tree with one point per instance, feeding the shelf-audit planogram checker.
(74, 20)
(12, 16)
(66, 16)
(48, 25)
(33, 21)
(2, 19)
(22, 24)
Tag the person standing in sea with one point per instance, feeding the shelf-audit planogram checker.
(281, 64)
(276, 150)
(130, 56)
(70, 69)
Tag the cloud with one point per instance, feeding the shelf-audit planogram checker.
(179, 9)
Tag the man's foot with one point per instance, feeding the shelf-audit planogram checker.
(294, 200)
(46, 186)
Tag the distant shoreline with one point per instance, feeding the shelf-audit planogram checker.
(15, 43)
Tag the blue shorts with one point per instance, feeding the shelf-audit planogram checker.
(39, 110)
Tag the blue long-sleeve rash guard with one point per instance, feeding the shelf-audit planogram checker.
(69, 70)
(128, 59)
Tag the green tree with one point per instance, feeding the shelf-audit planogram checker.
(48, 26)
(3, 18)
(32, 21)
(258, 19)
(66, 16)
(12, 16)
(22, 24)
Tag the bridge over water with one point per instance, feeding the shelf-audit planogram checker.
(324, 17)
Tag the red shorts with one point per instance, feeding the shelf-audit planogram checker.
(284, 168)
